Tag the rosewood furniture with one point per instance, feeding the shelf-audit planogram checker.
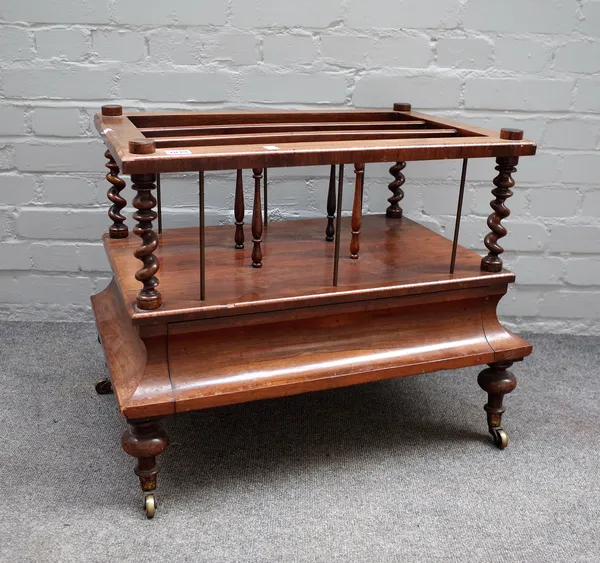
(203, 316)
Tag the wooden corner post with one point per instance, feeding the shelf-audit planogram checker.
(506, 167)
(118, 229)
(394, 211)
(149, 297)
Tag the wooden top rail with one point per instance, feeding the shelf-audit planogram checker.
(191, 141)
(192, 130)
(300, 137)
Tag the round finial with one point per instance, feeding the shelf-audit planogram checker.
(511, 134)
(112, 110)
(142, 146)
(402, 107)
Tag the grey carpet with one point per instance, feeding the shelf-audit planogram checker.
(398, 470)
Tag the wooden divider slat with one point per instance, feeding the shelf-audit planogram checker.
(176, 119)
(195, 130)
(270, 138)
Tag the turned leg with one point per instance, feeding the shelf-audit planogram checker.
(394, 210)
(239, 211)
(145, 440)
(118, 229)
(330, 230)
(497, 381)
(257, 223)
(359, 170)
(149, 297)
(503, 182)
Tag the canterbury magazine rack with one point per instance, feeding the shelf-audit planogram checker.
(206, 316)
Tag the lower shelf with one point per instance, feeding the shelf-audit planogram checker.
(397, 258)
(223, 361)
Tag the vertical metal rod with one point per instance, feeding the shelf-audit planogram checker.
(461, 195)
(159, 204)
(265, 174)
(338, 226)
(362, 191)
(331, 206)
(202, 236)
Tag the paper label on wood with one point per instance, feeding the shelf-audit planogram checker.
(179, 151)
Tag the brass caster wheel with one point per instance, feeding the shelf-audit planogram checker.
(500, 438)
(150, 506)
(104, 387)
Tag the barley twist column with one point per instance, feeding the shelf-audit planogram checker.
(118, 229)
(149, 297)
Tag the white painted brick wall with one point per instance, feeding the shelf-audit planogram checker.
(531, 64)
(64, 44)
(289, 49)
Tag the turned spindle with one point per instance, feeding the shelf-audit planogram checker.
(497, 381)
(118, 229)
(506, 167)
(239, 211)
(257, 223)
(145, 440)
(149, 297)
(394, 210)
(356, 221)
(330, 230)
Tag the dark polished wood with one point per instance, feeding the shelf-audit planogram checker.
(145, 440)
(118, 229)
(394, 210)
(112, 110)
(225, 360)
(497, 381)
(391, 264)
(196, 131)
(149, 297)
(506, 167)
(237, 139)
(359, 171)
(142, 146)
(257, 222)
(280, 138)
(503, 182)
(239, 211)
(255, 333)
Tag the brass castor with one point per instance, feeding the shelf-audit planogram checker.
(498, 381)
(150, 506)
(104, 387)
(500, 438)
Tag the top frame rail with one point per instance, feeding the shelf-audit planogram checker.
(147, 142)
